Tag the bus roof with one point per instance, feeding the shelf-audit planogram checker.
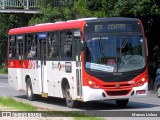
(63, 25)
(112, 19)
(47, 27)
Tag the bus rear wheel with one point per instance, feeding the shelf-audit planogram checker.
(122, 103)
(69, 101)
(29, 90)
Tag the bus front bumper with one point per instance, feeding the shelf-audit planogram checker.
(90, 94)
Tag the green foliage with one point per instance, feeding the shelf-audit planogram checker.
(80, 9)
(8, 21)
(73, 9)
(4, 70)
(9, 102)
(135, 8)
(67, 11)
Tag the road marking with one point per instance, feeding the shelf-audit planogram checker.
(4, 85)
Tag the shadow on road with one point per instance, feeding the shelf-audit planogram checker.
(94, 105)
(50, 100)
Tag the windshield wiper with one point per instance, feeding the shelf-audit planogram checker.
(125, 41)
(122, 46)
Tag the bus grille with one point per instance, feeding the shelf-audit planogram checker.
(113, 85)
(117, 93)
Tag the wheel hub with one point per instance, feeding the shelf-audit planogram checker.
(29, 91)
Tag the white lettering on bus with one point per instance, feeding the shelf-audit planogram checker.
(11, 64)
(31, 64)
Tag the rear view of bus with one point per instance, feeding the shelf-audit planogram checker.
(115, 60)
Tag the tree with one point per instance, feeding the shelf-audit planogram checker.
(67, 10)
(7, 22)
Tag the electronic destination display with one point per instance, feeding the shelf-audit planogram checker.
(109, 27)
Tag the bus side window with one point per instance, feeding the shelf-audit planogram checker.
(31, 51)
(10, 53)
(53, 45)
(66, 44)
(12, 47)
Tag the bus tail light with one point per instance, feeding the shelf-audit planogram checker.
(140, 82)
(93, 84)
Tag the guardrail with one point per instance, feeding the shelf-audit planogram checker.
(23, 4)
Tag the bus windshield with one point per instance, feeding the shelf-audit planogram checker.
(115, 53)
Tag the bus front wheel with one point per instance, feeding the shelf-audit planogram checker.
(29, 90)
(122, 103)
(69, 101)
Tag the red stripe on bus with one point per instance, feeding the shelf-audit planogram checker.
(26, 64)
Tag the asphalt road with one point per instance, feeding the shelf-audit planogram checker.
(148, 104)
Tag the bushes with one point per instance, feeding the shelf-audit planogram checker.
(4, 69)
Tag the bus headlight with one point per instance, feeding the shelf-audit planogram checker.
(93, 84)
(141, 82)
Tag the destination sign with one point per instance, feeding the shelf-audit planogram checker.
(100, 28)
(109, 27)
(117, 26)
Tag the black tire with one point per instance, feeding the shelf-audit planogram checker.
(29, 90)
(158, 92)
(69, 101)
(122, 103)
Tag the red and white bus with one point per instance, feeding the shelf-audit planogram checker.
(80, 60)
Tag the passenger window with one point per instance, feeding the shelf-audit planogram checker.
(12, 47)
(66, 44)
(53, 45)
(31, 51)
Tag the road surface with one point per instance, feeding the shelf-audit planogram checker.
(148, 104)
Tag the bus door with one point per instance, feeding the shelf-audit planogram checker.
(43, 73)
(20, 54)
(78, 43)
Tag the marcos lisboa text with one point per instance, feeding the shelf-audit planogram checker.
(147, 114)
